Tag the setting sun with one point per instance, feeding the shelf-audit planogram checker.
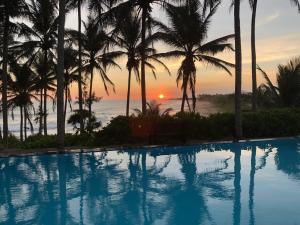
(161, 96)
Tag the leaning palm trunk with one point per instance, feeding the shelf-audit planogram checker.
(79, 67)
(128, 92)
(253, 52)
(21, 123)
(143, 61)
(4, 79)
(60, 76)
(238, 70)
(90, 98)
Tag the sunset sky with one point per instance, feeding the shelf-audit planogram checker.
(278, 40)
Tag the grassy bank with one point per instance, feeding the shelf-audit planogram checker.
(176, 130)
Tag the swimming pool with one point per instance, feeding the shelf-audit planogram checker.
(255, 183)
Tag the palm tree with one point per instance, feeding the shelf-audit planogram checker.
(21, 89)
(60, 75)
(253, 4)
(79, 3)
(144, 9)
(80, 101)
(153, 109)
(129, 38)
(95, 44)
(47, 81)
(9, 9)
(40, 39)
(287, 91)
(186, 34)
(238, 69)
(71, 75)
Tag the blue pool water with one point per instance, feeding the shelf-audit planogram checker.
(252, 183)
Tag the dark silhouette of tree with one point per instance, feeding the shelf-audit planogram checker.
(96, 57)
(129, 38)
(60, 74)
(253, 5)
(71, 76)
(40, 40)
(238, 69)
(186, 34)
(9, 9)
(46, 81)
(287, 91)
(21, 89)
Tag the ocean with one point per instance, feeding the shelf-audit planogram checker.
(105, 110)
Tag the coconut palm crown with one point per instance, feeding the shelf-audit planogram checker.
(186, 34)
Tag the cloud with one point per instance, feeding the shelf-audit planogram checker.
(267, 20)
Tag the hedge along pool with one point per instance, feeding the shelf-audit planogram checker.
(227, 184)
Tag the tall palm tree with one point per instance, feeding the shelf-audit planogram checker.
(253, 5)
(71, 76)
(47, 81)
(40, 39)
(78, 4)
(21, 93)
(129, 38)
(60, 75)
(9, 9)
(142, 8)
(186, 34)
(95, 46)
(238, 69)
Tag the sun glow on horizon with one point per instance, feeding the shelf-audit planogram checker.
(161, 96)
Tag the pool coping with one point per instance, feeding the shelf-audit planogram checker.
(6, 153)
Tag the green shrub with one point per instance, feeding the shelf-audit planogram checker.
(182, 126)
(116, 132)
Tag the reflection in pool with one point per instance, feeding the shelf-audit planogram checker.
(255, 183)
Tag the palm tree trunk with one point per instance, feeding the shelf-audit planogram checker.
(4, 79)
(60, 75)
(21, 123)
(45, 90)
(90, 98)
(25, 123)
(80, 68)
(128, 92)
(253, 52)
(184, 95)
(194, 99)
(66, 103)
(188, 102)
(238, 70)
(45, 111)
(41, 113)
(143, 60)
